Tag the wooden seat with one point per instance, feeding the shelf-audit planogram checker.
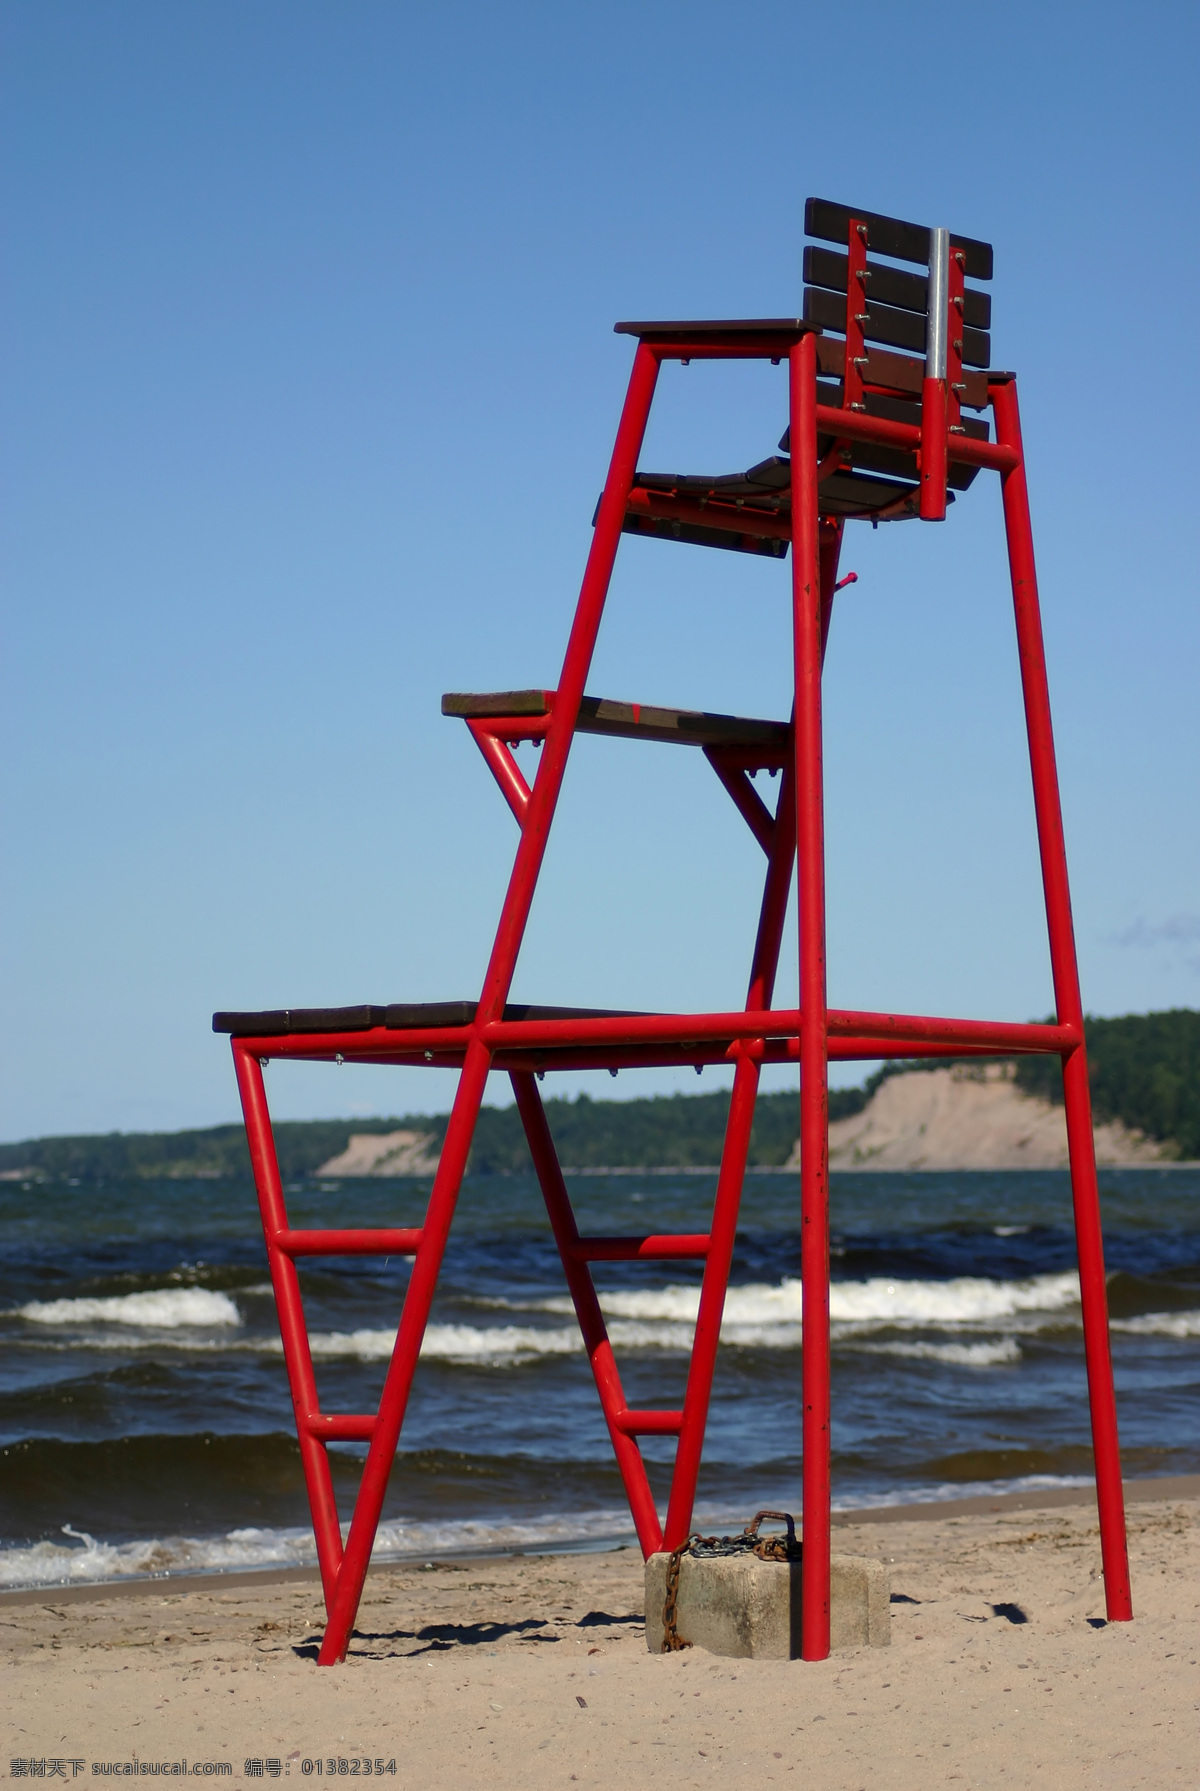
(750, 512)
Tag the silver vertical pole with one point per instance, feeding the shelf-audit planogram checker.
(939, 297)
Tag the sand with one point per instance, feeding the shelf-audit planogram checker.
(533, 1672)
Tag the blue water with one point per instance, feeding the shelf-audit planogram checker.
(145, 1421)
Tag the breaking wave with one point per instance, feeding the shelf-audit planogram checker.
(968, 1299)
(85, 1560)
(166, 1308)
(957, 1355)
(1161, 1324)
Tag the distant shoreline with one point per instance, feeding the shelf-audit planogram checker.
(1145, 1081)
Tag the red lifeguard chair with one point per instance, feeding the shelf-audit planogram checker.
(873, 434)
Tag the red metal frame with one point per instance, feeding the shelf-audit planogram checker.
(811, 1035)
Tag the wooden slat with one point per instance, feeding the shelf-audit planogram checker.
(275, 1022)
(693, 534)
(858, 494)
(899, 371)
(830, 222)
(683, 727)
(411, 1016)
(397, 1016)
(886, 323)
(891, 285)
(497, 702)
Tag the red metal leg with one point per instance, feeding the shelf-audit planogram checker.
(290, 1310)
(814, 1095)
(1110, 1497)
(587, 1309)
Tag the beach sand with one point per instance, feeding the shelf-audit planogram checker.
(532, 1672)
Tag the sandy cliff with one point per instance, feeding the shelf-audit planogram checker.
(968, 1117)
(384, 1153)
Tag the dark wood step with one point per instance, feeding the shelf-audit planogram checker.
(626, 721)
(396, 1016)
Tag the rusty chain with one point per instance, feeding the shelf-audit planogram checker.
(749, 1542)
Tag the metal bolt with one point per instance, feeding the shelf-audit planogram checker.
(429, 1057)
(339, 1059)
(858, 407)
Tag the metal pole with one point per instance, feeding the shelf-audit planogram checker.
(933, 390)
(814, 1094)
(1110, 1498)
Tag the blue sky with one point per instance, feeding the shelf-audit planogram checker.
(309, 388)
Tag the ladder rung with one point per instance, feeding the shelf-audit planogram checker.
(341, 1427)
(649, 1424)
(657, 1248)
(381, 1241)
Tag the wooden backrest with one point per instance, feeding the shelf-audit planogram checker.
(895, 311)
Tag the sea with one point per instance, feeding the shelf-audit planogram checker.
(146, 1428)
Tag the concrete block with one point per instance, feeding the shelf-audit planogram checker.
(738, 1605)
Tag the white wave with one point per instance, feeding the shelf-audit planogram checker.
(964, 1300)
(87, 1560)
(1161, 1324)
(453, 1343)
(967, 1299)
(957, 1355)
(164, 1308)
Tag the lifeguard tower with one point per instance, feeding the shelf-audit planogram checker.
(892, 414)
